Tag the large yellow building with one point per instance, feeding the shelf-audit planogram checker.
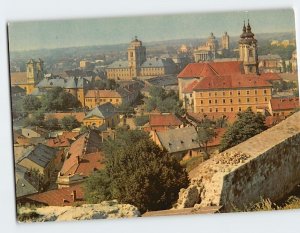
(138, 65)
(229, 86)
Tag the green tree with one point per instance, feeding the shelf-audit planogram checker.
(31, 103)
(52, 124)
(57, 99)
(204, 136)
(246, 126)
(141, 120)
(140, 174)
(125, 109)
(36, 119)
(69, 123)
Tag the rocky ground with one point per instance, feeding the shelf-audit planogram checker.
(104, 210)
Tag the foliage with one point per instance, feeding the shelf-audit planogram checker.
(108, 84)
(52, 124)
(31, 103)
(163, 101)
(17, 107)
(204, 136)
(36, 119)
(141, 120)
(126, 109)
(296, 92)
(246, 126)
(137, 172)
(284, 52)
(28, 216)
(192, 163)
(69, 123)
(57, 99)
(284, 85)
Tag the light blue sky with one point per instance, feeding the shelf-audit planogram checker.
(104, 31)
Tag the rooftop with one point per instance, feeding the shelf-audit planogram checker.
(278, 104)
(103, 111)
(165, 119)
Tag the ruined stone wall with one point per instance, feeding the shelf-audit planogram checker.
(265, 166)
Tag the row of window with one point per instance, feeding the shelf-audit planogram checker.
(100, 100)
(231, 101)
(224, 109)
(248, 92)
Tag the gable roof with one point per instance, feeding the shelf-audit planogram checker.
(118, 65)
(177, 140)
(25, 185)
(102, 111)
(59, 115)
(58, 197)
(278, 104)
(105, 94)
(40, 154)
(164, 120)
(18, 78)
(211, 69)
(88, 142)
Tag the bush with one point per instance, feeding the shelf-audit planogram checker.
(69, 123)
(141, 120)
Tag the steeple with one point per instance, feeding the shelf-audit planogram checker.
(248, 50)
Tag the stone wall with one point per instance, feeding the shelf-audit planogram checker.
(265, 166)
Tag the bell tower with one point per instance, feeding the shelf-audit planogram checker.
(136, 56)
(248, 50)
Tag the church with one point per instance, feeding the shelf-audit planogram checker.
(227, 86)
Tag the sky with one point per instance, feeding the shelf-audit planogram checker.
(32, 35)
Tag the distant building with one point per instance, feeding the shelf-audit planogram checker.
(208, 51)
(294, 62)
(271, 63)
(138, 65)
(162, 121)
(225, 41)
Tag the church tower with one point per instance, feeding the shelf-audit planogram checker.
(248, 50)
(225, 41)
(35, 73)
(136, 56)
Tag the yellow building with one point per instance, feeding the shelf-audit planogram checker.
(138, 65)
(227, 86)
(29, 79)
(94, 98)
(104, 115)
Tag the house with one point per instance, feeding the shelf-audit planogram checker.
(79, 116)
(270, 63)
(57, 197)
(62, 140)
(82, 159)
(162, 121)
(41, 158)
(283, 106)
(25, 183)
(34, 132)
(180, 142)
(102, 115)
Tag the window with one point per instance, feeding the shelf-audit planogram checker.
(240, 109)
(209, 94)
(209, 101)
(224, 101)
(231, 101)
(266, 99)
(230, 93)
(202, 110)
(201, 101)
(216, 101)
(210, 109)
(216, 93)
(248, 92)
(240, 101)
(223, 92)
(239, 92)
(256, 100)
(191, 95)
(200, 93)
(265, 91)
(255, 92)
(231, 109)
(224, 109)
(248, 100)
(117, 100)
(216, 109)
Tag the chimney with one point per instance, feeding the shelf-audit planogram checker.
(78, 159)
(73, 194)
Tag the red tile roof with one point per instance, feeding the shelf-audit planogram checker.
(168, 119)
(233, 81)
(270, 76)
(284, 103)
(18, 78)
(190, 87)
(58, 197)
(87, 143)
(273, 120)
(58, 142)
(216, 141)
(59, 115)
(211, 69)
(230, 116)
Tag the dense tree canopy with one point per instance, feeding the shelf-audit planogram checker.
(137, 172)
(31, 103)
(69, 123)
(35, 119)
(246, 126)
(163, 101)
(57, 99)
(109, 84)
